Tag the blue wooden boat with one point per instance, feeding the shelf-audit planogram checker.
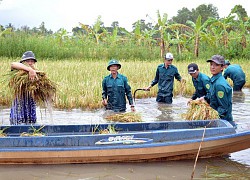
(142, 141)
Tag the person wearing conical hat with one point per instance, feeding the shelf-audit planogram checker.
(115, 89)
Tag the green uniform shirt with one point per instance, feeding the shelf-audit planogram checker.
(115, 91)
(237, 75)
(221, 97)
(165, 79)
(202, 86)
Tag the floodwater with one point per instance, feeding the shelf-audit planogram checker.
(235, 166)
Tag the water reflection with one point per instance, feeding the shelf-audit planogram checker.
(149, 109)
(238, 97)
(166, 112)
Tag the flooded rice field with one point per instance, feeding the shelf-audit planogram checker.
(235, 166)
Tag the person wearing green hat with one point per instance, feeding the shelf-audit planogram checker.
(220, 91)
(23, 110)
(115, 89)
(236, 74)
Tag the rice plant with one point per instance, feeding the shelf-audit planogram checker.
(79, 81)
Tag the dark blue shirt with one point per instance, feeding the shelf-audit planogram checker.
(235, 73)
(202, 86)
(165, 79)
(116, 90)
(221, 97)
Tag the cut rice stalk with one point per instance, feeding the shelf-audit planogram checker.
(125, 117)
(42, 89)
(200, 110)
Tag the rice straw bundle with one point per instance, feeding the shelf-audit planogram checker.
(182, 87)
(200, 110)
(125, 117)
(2, 134)
(35, 132)
(42, 90)
(110, 130)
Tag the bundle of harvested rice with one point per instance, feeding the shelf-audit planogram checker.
(182, 87)
(125, 117)
(34, 132)
(2, 133)
(200, 110)
(109, 130)
(41, 89)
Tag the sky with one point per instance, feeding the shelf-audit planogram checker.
(67, 14)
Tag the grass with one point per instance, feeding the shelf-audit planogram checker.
(79, 81)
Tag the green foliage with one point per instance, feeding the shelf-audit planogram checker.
(191, 34)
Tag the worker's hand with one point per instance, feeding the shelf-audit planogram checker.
(183, 81)
(32, 74)
(189, 101)
(105, 102)
(133, 108)
(147, 88)
(201, 99)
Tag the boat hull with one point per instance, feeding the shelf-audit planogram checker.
(134, 142)
(210, 147)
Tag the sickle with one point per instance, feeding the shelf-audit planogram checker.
(139, 89)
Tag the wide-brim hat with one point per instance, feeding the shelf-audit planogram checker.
(218, 59)
(113, 62)
(28, 55)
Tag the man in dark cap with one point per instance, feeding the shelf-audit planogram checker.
(115, 88)
(220, 90)
(235, 72)
(201, 83)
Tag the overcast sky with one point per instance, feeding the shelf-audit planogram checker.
(68, 13)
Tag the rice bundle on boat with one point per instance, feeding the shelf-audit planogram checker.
(125, 117)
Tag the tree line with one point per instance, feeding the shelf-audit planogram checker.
(195, 33)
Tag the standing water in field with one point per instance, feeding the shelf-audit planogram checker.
(236, 166)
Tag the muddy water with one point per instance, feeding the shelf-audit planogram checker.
(236, 166)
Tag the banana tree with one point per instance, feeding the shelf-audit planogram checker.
(5, 32)
(162, 24)
(222, 28)
(178, 35)
(242, 26)
(96, 32)
(113, 37)
(138, 33)
(61, 36)
(197, 33)
(148, 37)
